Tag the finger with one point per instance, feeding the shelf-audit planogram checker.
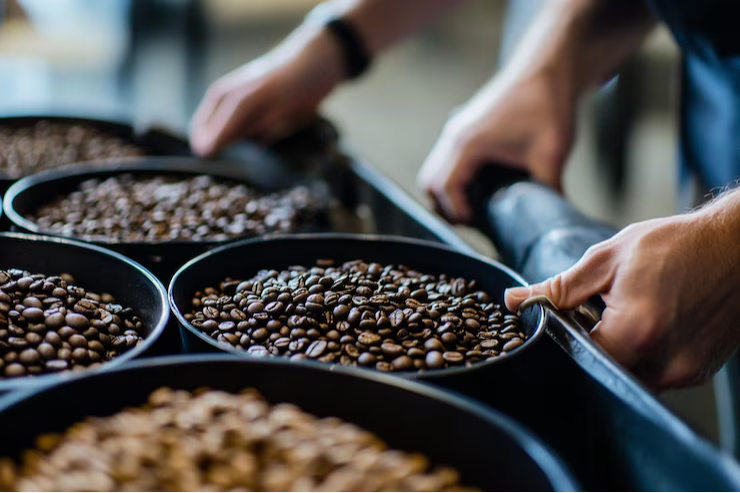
(591, 275)
(445, 176)
(206, 108)
(230, 121)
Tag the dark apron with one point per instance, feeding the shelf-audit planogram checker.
(708, 32)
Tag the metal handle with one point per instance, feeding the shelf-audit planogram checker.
(568, 330)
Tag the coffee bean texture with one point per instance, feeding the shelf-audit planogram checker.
(49, 324)
(387, 317)
(215, 441)
(25, 150)
(165, 208)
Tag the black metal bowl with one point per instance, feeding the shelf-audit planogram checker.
(162, 258)
(152, 141)
(244, 259)
(96, 269)
(491, 451)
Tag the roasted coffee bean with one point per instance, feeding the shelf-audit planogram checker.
(435, 360)
(280, 448)
(453, 357)
(513, 344)
(394, 315)
(37, 329)
(369, 338)
(402, 363)
(168, 207)
(392, 350)
(316, 349)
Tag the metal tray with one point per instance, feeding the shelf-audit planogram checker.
(613, 433)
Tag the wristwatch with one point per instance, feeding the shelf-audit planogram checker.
(354, 52)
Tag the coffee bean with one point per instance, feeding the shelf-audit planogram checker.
(396, 314)
(77, 341)
(369, 338)
(434, 344)
(47, 351)
(453, 357)
(15, 370)
(260, 335)
(33, 315)
(392, 350)
(435, 360)
(341, 312)
(403, 363)
(77, 321)
(416, 353)
(513, 344)
(57, 365)
(29, 357)
(316, 349)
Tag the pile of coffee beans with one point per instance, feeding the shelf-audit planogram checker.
(166, 208)
(49, 324)
(387, 317)
(215, 441)
(25, 150)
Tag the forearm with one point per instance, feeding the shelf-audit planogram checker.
(380, 23)
(581, 43)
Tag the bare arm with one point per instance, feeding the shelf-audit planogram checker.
(272, 95)
(583, 42)
(524, 117)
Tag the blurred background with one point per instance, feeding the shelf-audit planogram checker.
(149, 62)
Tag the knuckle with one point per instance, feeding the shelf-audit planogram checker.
(556, 289)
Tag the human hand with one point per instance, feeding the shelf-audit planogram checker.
(525, 122)
(269, 97)
(671, 292)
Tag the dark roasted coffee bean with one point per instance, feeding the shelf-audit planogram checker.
(453, 357)
(77, 341)
(260, 335)
(369, 338)
(513, 344)
(15, 370)
(403, 363)
(33, 315)
(416, 353)
(434, 360)
(392, 350)
(396, 314)
(29, 357)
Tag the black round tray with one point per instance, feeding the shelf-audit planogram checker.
(491, 451)
(97, 269)
(162, 258)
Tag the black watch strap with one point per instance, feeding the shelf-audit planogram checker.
(356, 58)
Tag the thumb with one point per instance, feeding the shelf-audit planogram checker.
(590, 276)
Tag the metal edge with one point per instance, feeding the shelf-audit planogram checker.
(554, 468)
(154, 335)
(592, 359)
(537, 333)
(398, 196)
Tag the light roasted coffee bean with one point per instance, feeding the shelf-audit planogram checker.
(228, 442)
